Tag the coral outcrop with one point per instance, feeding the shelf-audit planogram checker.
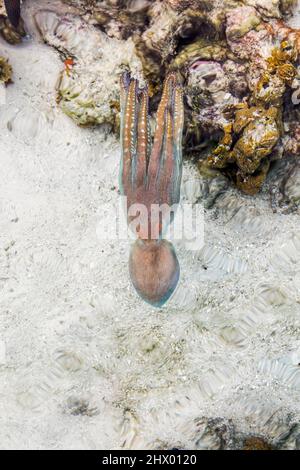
(5, 71)
(86, 91)
(238, 63)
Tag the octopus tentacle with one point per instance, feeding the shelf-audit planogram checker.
(159, 136)
(167, 159)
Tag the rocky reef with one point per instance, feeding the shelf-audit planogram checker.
(224, 434)
(238, 63)
(251, 136)
(85, 91)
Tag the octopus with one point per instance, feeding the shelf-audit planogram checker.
(13, 9)
(150, 179)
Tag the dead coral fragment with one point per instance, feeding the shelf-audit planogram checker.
(5, 70)
(291, 187)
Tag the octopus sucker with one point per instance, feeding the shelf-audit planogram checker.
(154, 271)
(151, 179)
(129, 108)
(11, 22)
(256, 128)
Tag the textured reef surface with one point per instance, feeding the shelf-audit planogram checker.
(84, 362)
(239, 64)
(151, 176)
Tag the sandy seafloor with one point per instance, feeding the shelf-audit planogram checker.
(84, 362)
